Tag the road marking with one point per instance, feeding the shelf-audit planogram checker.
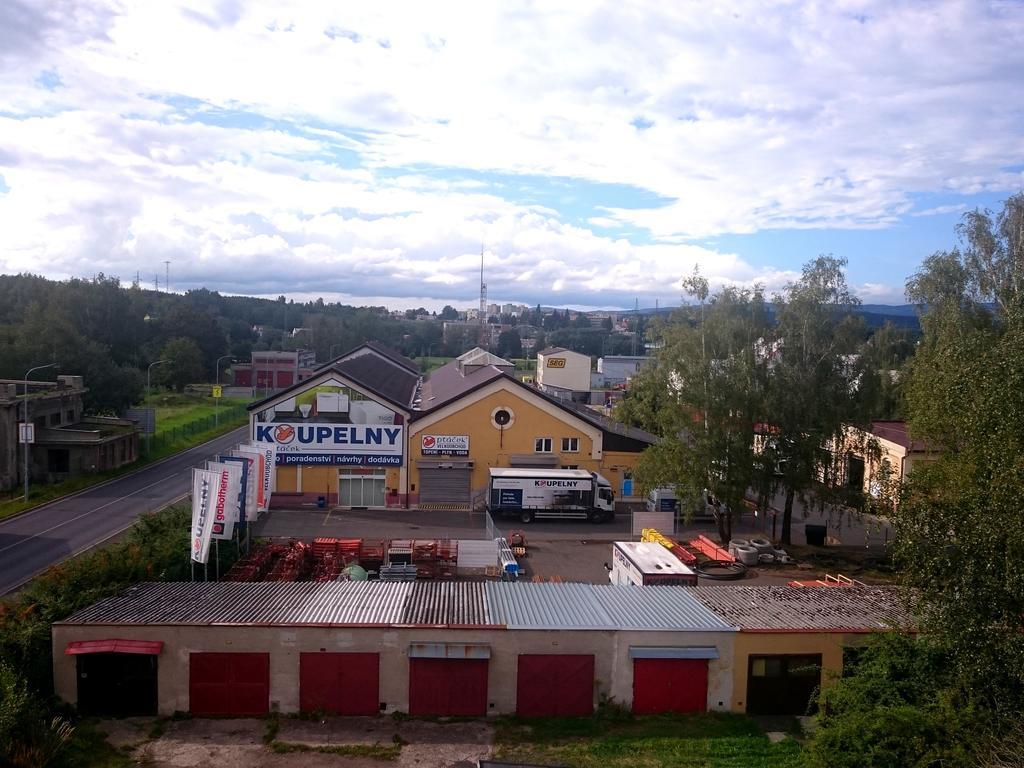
(89, 512)
(86, 548)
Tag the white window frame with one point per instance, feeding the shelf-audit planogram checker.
(540, 442)
(570, 441)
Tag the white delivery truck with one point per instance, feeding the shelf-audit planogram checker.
(645, 563)
(548, 494)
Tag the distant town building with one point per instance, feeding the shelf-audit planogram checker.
(615, 370)
(67, 443)
(562, 372)
(274, 370)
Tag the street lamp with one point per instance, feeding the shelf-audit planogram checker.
(30, 370)
(216, 382)
(150, 371)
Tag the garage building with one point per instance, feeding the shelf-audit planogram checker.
(793, 639)
(246, 649)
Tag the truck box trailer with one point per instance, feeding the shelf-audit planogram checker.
(549, 494)
(644, 563)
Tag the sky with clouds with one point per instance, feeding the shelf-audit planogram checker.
(596, 152)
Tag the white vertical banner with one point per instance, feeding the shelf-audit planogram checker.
(204, 484)
(227, 499)
(251, 506)
(262, 497)
(269, 452)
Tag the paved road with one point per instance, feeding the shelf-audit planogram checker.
(32, 542)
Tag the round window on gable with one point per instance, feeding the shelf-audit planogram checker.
(502, 417)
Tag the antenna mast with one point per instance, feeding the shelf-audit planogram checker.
(483, 304)
(167, 276)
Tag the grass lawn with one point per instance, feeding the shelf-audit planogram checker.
(663, 741)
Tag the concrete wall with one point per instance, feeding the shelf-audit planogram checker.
(828, 644)
(613, 669)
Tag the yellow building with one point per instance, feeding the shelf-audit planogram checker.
(366, 430)
(793, 639)
(870, 460)
(473, 418)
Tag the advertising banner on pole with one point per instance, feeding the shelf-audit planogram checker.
(204, 484)
(243, 502)
(269, 462)
(226, 509)
(252, 510)
(262, 497)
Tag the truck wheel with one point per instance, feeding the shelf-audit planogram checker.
(525, 516)
(594, 517)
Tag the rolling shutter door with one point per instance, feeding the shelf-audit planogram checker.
(450, 485)
(448, 687)
(555, 685)
(339, 683)
(229, 684)
(669, 685)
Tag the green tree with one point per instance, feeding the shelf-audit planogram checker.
(448, 312)
(959, 521)
(184, 366)
(812, 385)
(509, 344)
(705, 398)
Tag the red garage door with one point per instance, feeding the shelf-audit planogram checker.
(670, 685)
(555, 685)
(233, 684)
(448, 687)
(342, 683)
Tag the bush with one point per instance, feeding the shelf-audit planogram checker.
(897, 705)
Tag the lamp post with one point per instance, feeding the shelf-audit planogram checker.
(216, 381)
(149, 371)
(30, 370)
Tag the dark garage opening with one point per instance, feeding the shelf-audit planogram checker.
(117, 684)
(782, 684)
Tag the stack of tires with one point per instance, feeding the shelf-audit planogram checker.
(744, 551)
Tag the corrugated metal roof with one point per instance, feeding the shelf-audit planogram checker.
(259, 603)
(526, 605)
(447, 604)
(775, 609)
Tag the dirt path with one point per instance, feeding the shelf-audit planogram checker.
(242, 743)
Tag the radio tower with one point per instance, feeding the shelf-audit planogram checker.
(167, 277)
(483, 304)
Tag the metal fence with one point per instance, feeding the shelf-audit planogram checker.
(164, 437)
(491, 531)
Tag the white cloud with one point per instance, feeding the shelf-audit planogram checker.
(742, 118)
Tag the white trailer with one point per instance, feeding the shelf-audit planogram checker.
(644, 563)
(570, 494)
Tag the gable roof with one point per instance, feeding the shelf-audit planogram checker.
(447, 384)
(381, 375)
